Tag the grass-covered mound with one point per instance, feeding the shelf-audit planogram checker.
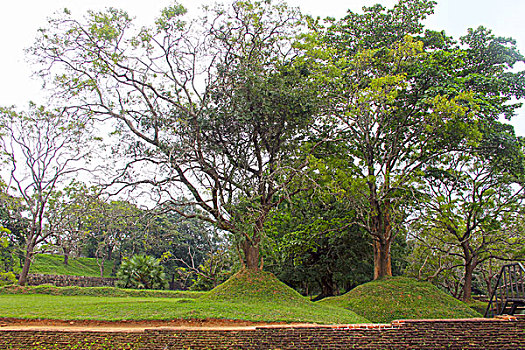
(261, 293)
(400, 298)
(248, 285)
(47, 289)
(50, 264)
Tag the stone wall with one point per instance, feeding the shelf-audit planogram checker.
(486, 334)
(35, 279)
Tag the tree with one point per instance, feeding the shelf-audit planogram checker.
(112, 224)
(14, 223)
(470, 201)
(193, 251)
(69, 215)
(400, 99)
(220, 107)
(314, 245)
(41, 150)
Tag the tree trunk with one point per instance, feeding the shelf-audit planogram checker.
(101, 266)
(467, 286)
(382, 258)
(22, 280)
(327, 287)
(66, 257)
(252, 256)
(381, 231)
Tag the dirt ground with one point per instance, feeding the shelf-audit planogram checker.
(132, 326)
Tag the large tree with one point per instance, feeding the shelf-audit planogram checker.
(41, 150)
(400, 99)
(469, 202)
(216, 108)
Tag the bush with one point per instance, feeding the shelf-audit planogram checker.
(6, 261)
(7, 278)
(141, 272)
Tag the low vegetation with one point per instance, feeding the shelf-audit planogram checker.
(248, 295)
(49, 264)
(47, 289)
(400, 298)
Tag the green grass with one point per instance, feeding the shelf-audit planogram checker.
(255, 296)
(400, 298)
(98, 292)
(49, 264)
(478, 306)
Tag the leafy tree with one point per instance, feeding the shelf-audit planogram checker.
(315, 247)
(69, 215)
(13, 222)
(41, 149)
(112, 225)
(400, 99)
(141, 272)
(219, 106)
(193, 251)
(216, 269)
(470, 201)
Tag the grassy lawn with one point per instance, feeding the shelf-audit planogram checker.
(129, 308)
(99, 292)
(250, 296)
(49, 264)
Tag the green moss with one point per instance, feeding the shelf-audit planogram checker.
(400, 298)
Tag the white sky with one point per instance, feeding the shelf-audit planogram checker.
(20, 19)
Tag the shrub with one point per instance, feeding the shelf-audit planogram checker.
(7, 278)
(141, 272)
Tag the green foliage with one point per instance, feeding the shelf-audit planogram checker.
(400, 98)
(7, 278)
(469, 209)
(314, 247)
(214, 271)
(50, 264)
(394, 298)
(6, 255)
(141, 272)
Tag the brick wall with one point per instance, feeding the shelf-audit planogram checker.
(35, 279)
(486, 334)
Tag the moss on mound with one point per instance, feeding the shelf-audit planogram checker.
(400, 298)
(247, 285)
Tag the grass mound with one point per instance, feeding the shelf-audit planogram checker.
(257, 295)
(47, 289)
(50, 264)
(249, 285)
(400, 298)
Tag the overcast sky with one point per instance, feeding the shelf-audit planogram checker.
(20, 19)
